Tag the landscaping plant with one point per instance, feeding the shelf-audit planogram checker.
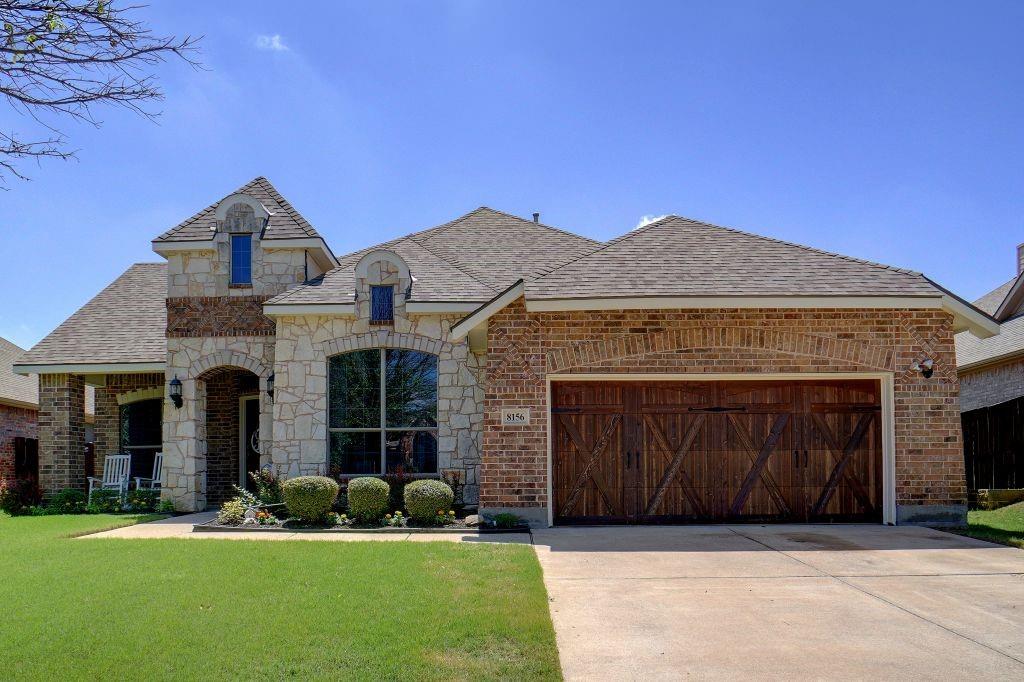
(142, 500)
(17, 497)
(368, 499)
(268, 485)
(105, 502)
(428, 498)
(309, 498)
(67, 501)
(232, 512)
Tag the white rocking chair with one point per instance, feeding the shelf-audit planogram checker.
(115, 475)
(157, 480)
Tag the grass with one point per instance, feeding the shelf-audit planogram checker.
(216, 609)
(1004, 525)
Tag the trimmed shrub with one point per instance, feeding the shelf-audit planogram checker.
(426, 498)
(17, 497)
(368, 499)
(309, 498)
(68, 501)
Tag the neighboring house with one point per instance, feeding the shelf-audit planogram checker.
(19, 407)
(991, 374)
(681, 372)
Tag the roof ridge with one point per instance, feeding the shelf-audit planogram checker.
(605, 245)
(454, 265)
(531, 222)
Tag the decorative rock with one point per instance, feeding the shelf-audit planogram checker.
(473, 520)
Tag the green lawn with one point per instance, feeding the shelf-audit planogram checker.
(1004, 525)
(216, 609)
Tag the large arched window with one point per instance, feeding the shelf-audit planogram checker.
(382, 412)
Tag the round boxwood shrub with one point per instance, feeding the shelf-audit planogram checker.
(309, 498)
(368, 499)
(426, 497)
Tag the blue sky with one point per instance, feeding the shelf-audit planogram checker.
(887, 131)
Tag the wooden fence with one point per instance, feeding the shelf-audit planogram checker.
(994, 446)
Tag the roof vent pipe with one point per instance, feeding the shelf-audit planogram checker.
(536, 217)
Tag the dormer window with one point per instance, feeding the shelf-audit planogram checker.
(382, 304)
(241, 259)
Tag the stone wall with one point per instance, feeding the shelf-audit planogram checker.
(991, 385)
(304, 343)
(193, 361)
(15, 422)
(61, 432)
(524, 348)
(208, 272)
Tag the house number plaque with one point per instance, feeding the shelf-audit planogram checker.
(515, 417)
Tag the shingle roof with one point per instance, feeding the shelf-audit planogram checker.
(990, 302)
(469, 259)
(970, 350)
(677, 256)
(124, 323)
(15, 387)
(285, 222)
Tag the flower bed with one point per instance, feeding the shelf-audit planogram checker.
(307, 500)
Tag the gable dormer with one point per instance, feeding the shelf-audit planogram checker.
(250, 243)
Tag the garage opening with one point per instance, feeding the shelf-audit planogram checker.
(717, 451)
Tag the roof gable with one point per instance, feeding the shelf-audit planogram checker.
(285, 222)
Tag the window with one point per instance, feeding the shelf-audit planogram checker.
(141, 434)
(382, 412)
(382, 305)
(241, 259)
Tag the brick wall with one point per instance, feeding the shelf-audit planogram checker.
(61, 432)
(991, 385)
(14, 422)
(223, 389)
(523, 348)
(108, 414)
(202, 316)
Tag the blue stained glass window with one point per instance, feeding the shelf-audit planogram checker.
(241, 259)
(382, 304)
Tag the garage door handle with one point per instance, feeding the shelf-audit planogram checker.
(629, 456)
(805, 459)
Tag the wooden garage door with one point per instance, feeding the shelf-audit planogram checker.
(649, 452)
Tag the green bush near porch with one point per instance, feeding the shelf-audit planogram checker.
(235, 609)
(426, 498)
(368, 499)
(309, 498)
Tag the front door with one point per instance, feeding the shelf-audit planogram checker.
(655, 452)
(249, 452)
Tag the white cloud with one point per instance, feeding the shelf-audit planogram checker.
(273, 43)
(648, 219)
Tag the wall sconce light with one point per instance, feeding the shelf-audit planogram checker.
(926, 367)
(175, 391)
(270, 386)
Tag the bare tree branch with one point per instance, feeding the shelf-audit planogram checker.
(61, 58)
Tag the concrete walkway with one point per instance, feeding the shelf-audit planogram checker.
(181, 527)
(783, 602)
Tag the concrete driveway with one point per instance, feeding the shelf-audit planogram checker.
(803, 602)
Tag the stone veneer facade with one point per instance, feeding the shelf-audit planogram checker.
(525, 348)
(991, 385)
(15, 422)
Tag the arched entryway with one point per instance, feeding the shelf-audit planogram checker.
(230, 404)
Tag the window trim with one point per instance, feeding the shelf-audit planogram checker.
(231, 263)
(383, 429)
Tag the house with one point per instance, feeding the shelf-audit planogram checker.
(19, 406)
(991, 372)
(682, 372)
